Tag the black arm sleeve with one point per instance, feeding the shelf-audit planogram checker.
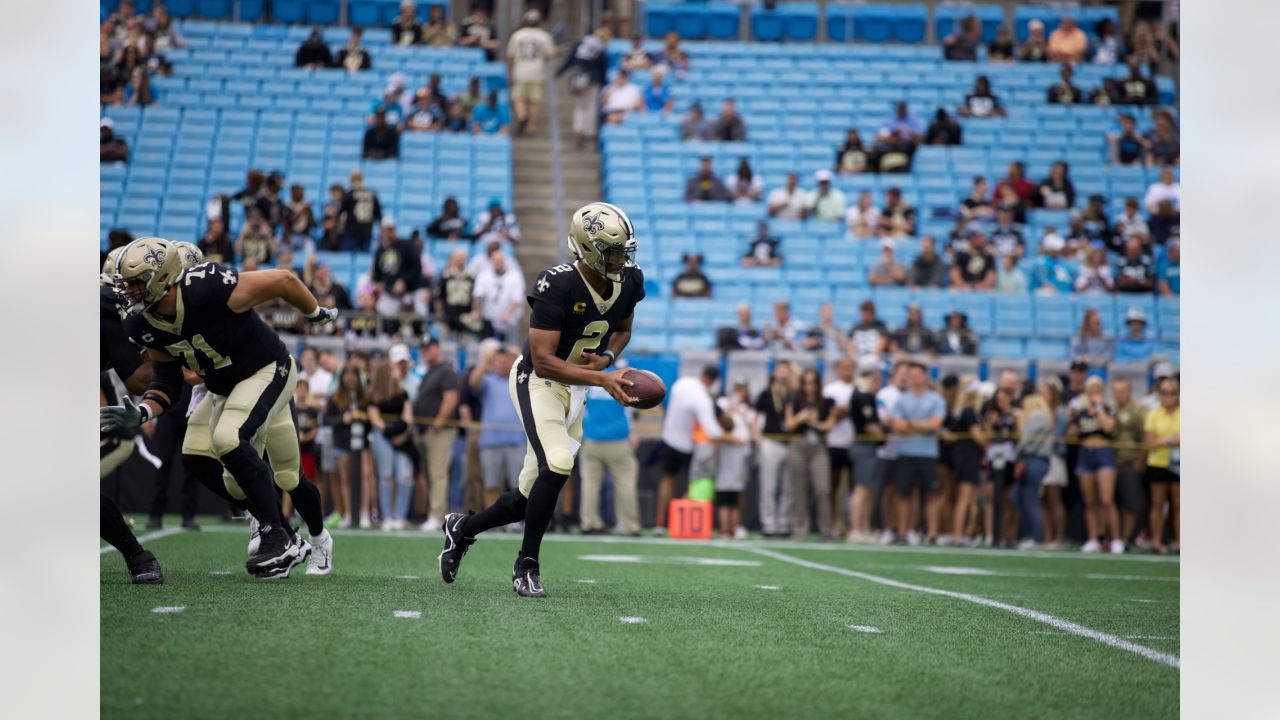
(166, 384)
(546, 316)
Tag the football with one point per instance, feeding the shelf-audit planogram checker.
(649, 390)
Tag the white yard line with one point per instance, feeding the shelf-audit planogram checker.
(1054, 622)
(632, 620)
(144, 539)
(407, 614)
(865, 628)
(1156, 578)
(168, 609)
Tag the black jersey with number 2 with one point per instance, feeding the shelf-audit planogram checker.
(220, 345)
(561, 299)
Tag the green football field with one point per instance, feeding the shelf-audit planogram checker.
(641, 629)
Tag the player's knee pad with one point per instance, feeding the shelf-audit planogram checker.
(232, 487)
(559, 460)
(226, 439)
(286, 480)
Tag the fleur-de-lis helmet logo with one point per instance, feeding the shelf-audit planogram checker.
(592, 223)
(154, 257)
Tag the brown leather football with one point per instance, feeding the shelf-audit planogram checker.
(649, 390)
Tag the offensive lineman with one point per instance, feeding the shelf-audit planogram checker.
(580, 321)
(203, 316)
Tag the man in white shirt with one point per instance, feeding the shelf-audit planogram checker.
(839, 438)
(482, 263)
(689, 405)
(496, 225)
(826, 202)
(528, 51)
(620, 97)
(1167, 189)
(499, 294)
(886, 399)
(786, 332)
(788, 203)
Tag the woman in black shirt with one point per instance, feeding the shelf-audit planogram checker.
(852, 157)
(771, 404)
(1092, 423)
(1000, 430)
(1001, 49)
(981, 102)
(968, 438)
(391, 416)
(348, 439)
(807, 419)
(1057, 192)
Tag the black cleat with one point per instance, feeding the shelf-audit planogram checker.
(144, 569)
(190, 524)
(281, 571)
(455, 546)
(275, 549)
(525, 579)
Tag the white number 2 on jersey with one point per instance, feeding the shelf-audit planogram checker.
(591, 335)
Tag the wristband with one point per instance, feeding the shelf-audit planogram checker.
(612, 357)
(144, 413)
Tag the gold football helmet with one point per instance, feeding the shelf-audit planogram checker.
(601, 235)
(188, 254)
(143, 272)
(107, 276)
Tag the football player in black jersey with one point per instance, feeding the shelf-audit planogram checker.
(580, 321)
(203, 317)
(118, 354)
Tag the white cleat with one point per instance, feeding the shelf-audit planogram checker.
(321, 562)
(1091, 547)
(432, 524)
(1117, 547)
(255, 537)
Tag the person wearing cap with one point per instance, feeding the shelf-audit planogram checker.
(825, 202)
(705, 185)
(426, 113)
(587, 63)
(956, 338)
(898, 218)
(887, 271)
(496, 225)
(381, 139)
(916, 419)
(353, 57)
(528, 51)
(1035, 49)
(406, 30)
(437, 31)
(110, 147)
(1135, 347)
(657, 97)
(788, 203)
(1092, 423)
(1169, 270)
(866, 439)
(729, 127)
(974, 268)
(608, 444)
(391, 102)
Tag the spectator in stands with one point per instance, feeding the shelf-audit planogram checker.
(808, 417)
(977, 205)
(762, 250)
(1065, 92)
(299, 221)
(1009, 276)
(638, 58)
(216, 243)
(1034, 49)
(426, 113)
(138, 90)
(871, 335)
(657, 97)
(1135, 347)
(1146, 46)
(496, 225)
(786, 332)
(1017, 179)
(692, 283)
(966, 453)
(256, 240)
(892, 153)
(1057, 191)
(1001, 49)
(788, 203)
(333, 208)
(1091, 343)
(826, 335)
(1166, 188)
(472, 97)
(704, 185)
(851, 157)
(928, 269)
(381, 139)
(1163, 428)
(964, 42)
(1127, 147)
(477, 31)
(395, 273)
(673, 56)
(1169, 270)
(621, 97)
(743, 336)
(353, 57)
(167, 36)
(1006, 236)
(744, 186)
(974, 268)
(1068, 43)
(389, 104)
(455, 121)
(453, 295)
(898, 218)
(587, 64)
(904, 124)
(499, 296)
(914, 338)
(1108, 94)
(361, 208)
(1135, 271)
(529, 50)
(1166, 222)
(328, 291)
(406, 30)
(1107, 48)
(1053, 273)
(863, 219)
(732, 459)
(450, 224)
(1137, 90)
(729, 127)
(981, 102)
(826, 202)
(887, 270)
(956, 338)
(313, 53)
(1162, 142)
(1007, 199)
(437, 31)
(1129, 223)
(490, 118)
(695, 126)
(110, 147)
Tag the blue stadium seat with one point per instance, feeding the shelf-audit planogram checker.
(723, 20)
(323, 12)
(214, 9)
(947, 19)
(660, 18)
